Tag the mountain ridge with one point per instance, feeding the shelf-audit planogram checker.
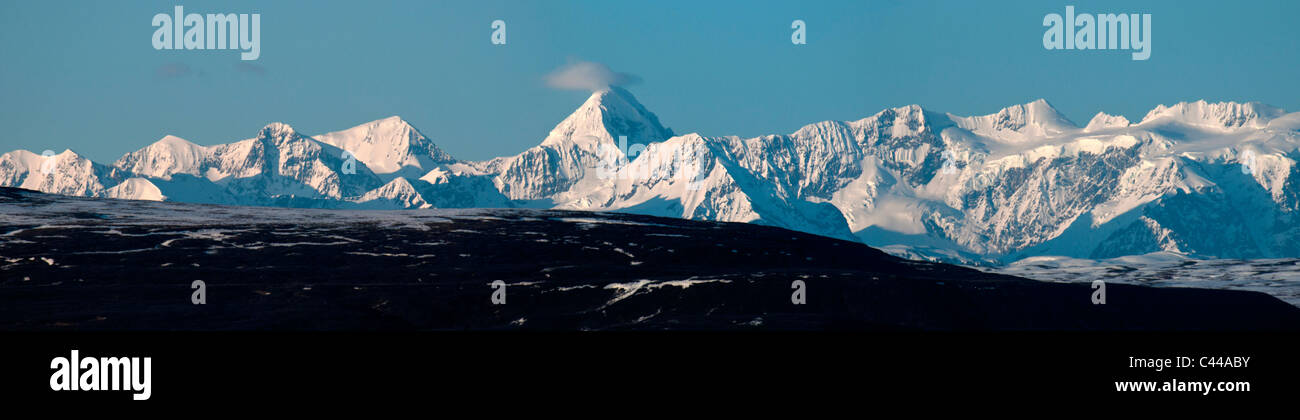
(993, 188)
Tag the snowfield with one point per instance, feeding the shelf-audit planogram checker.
(1206, 180)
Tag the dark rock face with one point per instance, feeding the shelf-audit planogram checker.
(95, 264)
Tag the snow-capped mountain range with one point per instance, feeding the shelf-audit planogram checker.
(1211, 180)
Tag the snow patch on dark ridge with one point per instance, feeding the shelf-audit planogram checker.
(131, 266)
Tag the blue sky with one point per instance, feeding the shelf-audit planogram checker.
(84, 75)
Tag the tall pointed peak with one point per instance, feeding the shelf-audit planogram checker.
(614, 93)
(614, 100)
(607, 114)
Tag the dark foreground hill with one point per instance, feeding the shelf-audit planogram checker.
(91, 264)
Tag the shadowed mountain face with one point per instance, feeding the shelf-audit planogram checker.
(86, 264)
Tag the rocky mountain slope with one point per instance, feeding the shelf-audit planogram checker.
(1211, 180)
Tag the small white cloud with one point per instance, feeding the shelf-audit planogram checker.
(588, 75)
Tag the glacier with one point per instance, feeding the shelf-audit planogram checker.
(1198, 179)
